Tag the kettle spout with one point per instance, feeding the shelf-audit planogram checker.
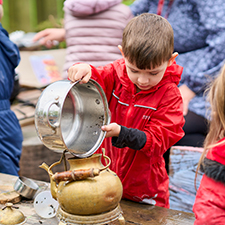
(54, 187)
(44, 166)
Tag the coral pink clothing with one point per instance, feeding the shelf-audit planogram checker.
(209, 206)
(158, 112)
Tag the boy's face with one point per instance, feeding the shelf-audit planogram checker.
(145, 79)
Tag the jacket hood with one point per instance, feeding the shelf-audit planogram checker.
(217, 153)
(89, 7)
(172, 74)
(8, 48)
(214, 162)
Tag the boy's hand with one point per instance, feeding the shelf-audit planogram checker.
(80, 72)
(113, 130)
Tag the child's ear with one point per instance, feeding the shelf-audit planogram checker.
(172, 59)
(121, 50)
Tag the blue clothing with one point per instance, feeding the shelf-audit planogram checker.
(199, 38)
(10, 131)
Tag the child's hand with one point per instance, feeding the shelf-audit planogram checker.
(80, 72)
(49, 36)
(113, 130)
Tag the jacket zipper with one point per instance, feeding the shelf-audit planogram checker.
(130, 109)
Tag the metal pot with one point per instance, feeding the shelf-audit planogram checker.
(26, 187)
(69, 116)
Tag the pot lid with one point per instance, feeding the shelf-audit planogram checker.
(9, 214)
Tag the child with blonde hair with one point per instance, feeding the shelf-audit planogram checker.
(209, 206)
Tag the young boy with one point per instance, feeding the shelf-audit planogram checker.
(11, 137)
(146, 107)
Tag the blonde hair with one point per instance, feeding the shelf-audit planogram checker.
(216, 96)
(148, 41)
(1, 12)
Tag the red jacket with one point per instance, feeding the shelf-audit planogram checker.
(159, 113)
(209, 206)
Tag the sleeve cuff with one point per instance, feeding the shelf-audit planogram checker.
(130, 137)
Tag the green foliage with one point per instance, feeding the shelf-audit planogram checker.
(128, 2)
(52, 22)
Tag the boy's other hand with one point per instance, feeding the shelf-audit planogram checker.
(112, 130)
(81, 72)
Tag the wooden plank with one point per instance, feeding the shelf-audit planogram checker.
(143, 214)
(23, 111)
(29, 95)
(7, 194)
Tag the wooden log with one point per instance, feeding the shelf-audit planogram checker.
(8, 194)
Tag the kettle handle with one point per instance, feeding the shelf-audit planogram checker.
(107, 163)
(46, 112)
(75, 175)
(79, 174)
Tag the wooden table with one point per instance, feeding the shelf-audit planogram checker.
(134, 213)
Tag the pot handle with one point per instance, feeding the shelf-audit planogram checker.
(46, 112)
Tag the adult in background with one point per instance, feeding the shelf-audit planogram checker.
(10, 131)
(199, 34)
(92, 31)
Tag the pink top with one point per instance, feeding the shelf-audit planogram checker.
(94, 29)
(89, 7)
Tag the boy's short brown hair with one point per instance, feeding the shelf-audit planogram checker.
(148, 41)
